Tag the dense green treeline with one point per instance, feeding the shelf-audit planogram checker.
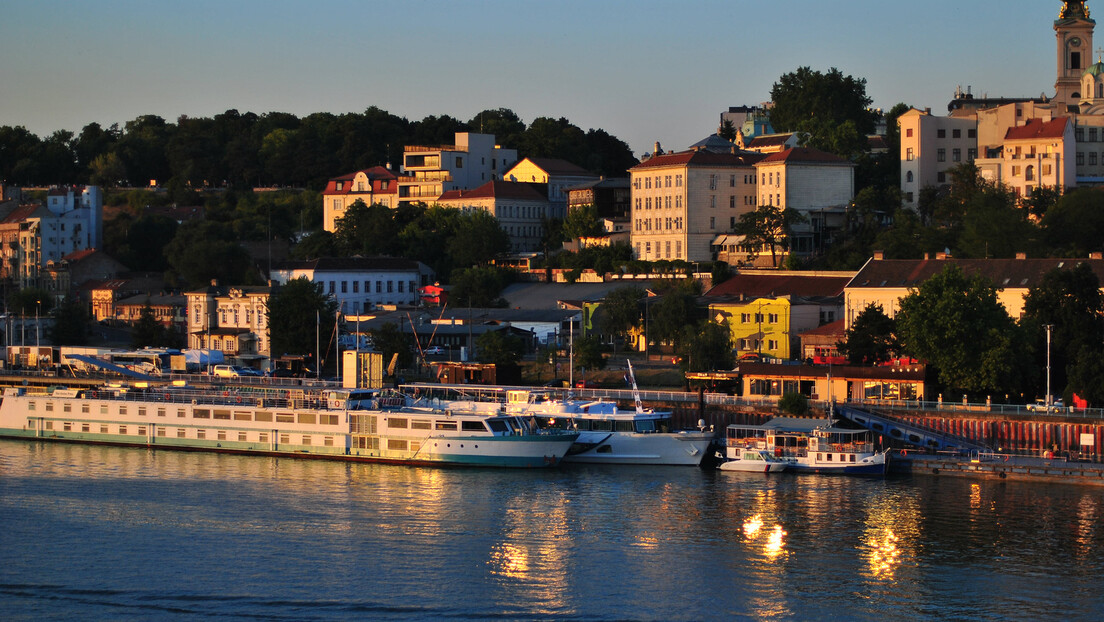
(239, 150)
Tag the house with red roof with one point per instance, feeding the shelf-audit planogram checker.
(371, 186)
(519, 207)
(1035, 154)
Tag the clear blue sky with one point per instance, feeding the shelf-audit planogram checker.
(644, 70)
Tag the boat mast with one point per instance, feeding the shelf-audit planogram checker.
(636, 391)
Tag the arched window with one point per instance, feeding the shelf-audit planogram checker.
(908, 177)
(1029, 173)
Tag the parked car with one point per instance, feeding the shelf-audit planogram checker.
(248, 371)
(435, 350)
(1041, 406)
(225, 371)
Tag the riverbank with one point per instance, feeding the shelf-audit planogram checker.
(998, 467)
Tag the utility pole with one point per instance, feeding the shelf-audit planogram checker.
(1048, 328)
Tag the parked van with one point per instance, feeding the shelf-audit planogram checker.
(225, 371)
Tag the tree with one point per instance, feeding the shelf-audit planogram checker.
(478, 239)
(670, 315)
(479, 286)
(727, 130)
(621, 310)
(1086, 376)
(70, 324)
(298, 312)
(767, 226)
(832, 108)
(366, 230)
(30, 301)
(499, 348)
(1074, 227)
(706, 346)
(1069, 300)
(582, 221)
(203, 250)
(148, 332)
(390, 340)
(956, 324)
(588, 353)
(872, 337)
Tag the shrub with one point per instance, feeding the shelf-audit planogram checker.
(794, 404)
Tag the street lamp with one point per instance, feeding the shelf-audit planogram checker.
(1048, 328)
(38, 308)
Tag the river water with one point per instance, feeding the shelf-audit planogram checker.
(106, 533)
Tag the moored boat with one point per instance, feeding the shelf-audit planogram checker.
(751, 461)
(812, 446)
(611, 435)
(342, 424)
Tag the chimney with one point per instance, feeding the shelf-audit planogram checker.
(926, 257)
(879, 255)
(658, 150)
(1021, 255)
(214, 282)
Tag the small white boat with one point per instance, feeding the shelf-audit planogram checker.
(811, 446)
(751, 461)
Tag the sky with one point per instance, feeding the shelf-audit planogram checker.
(644, 71)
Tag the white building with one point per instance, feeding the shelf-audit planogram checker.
(360, 284)
(816, 184)
(519, 207)
(430, 171)
(71, 221)
(233, 320)
(557, 175)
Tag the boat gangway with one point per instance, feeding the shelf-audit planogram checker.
(908, 433)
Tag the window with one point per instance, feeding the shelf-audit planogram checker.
(1092, 134)
(908, 132)
(344, 287)
(956, 155)
(732, 181)
(941, 177)
(956, 133)
(1080, 158)
(356, 287)
(712, 222)
(712, 182)
(941, 155)
(459, 164)
(732, 201)
(941, 133)
(908, 152)
(908, 177)
(971, 133)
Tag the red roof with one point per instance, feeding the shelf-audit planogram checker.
(496, 190)
(1037, 128)
(804, 155)
(79, 255)
(20, 214)
(700, 158)
(830, 329)
(376, 173)
(781, 285)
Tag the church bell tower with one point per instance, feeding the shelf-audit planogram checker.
(1074, 32)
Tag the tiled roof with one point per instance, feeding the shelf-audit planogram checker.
(805, 155)
(752, 285)
(827, 330)
(373, 174)
(1021, 273)
(20, 213)
(770, 140)
(700, 158)
(1037, 128)
(79, 255)
(496, 190)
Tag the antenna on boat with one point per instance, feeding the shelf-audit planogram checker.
(636, 391)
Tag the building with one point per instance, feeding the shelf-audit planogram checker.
(65, 277)
(770, 327)
(521, 209)
(611, 199)
(557, 175)
(360, 284)
(233, 320)
(930, 147)
(681, 201)
(1034, 155)
(987, 129)
(817, 185)
(376, 185)
(170, 310)
(34, 236)
(430, 171)
(885, 281)
(772, 143)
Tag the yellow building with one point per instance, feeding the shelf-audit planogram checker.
(768, 327)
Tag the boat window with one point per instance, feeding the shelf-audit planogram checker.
(262, 415)
(601, 426)
(285, 418)
(331, 420)
(624, 426)
(419, 424)
(201, 413)
(240, 415)
(307, 418)
(446, 425)
(222, 414)
(497, 425)
(829, 459)
(645, 426)
(581, 424)
(852, 457)
(397, 422)
(472, 426)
